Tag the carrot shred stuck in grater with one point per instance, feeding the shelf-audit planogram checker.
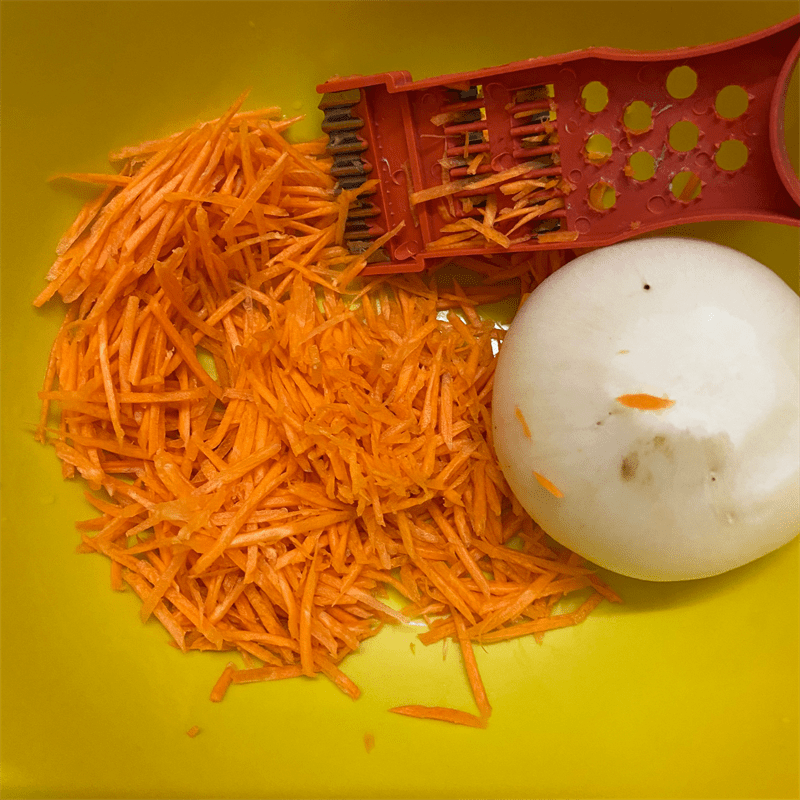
(577, 150)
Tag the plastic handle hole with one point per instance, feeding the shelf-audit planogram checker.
(682, 82)
(686, 186)
(598, 149)
(731, 155)
(731, 102)
(637, 117)
(594, 97)
(641, 166)
(683, 136)
(602, 196)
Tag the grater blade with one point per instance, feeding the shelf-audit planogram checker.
(577, 150)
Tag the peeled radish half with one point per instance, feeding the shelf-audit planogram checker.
(646, 408)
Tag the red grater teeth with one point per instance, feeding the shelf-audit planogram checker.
(362, 230)
(346, 142)
(350, 168)
(363, 209)
(350, 165)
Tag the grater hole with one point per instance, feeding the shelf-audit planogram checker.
(686, 186)
(731, 155)
(641, 166)
(731, 102)
(598, 149)
(602, 196)
(594, 97)
(637, 117)
(682, 82)
(683, 136)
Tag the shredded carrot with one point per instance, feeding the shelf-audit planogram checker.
(522, 421)
(193, 731)
(549, 485)
(221, 686)
(278, 438)
(475, 163)
(453, 187)
(488, 232)
(690, 187)
(475, 681)
(369, 742)
(452, 715)
(558, 236)
(645, 402)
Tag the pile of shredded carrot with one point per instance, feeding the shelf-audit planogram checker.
(273, 444)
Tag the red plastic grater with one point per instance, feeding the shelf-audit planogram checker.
(525, 144)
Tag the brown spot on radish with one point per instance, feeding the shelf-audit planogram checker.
(629, 466)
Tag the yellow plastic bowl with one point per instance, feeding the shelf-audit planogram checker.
(689, 690)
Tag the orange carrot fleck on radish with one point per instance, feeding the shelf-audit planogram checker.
(522, 421)
(645, 402)
(548, 484)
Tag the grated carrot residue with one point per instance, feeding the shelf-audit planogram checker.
(645, 402)
(549, 485)
(522, 421)
(273, 442)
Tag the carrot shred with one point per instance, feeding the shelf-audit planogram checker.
(475, 681)
(452, 715)
(279, 438)
(93, 177)
(257, 674)
(645, 402)
(222, 684)
(453, 187)
(488, 232)
(557, 236)
(522, 421)
(690, 187)
(549, 485)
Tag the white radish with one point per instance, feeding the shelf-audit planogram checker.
(659, 383)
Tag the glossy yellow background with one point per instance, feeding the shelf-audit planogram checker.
(690, 690)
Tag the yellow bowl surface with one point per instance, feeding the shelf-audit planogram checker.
(689, 690)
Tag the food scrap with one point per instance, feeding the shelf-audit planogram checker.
(549, 485)
(278, 448)
(522, 421)
(193, 731)
(645, 402)
(442, 714)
